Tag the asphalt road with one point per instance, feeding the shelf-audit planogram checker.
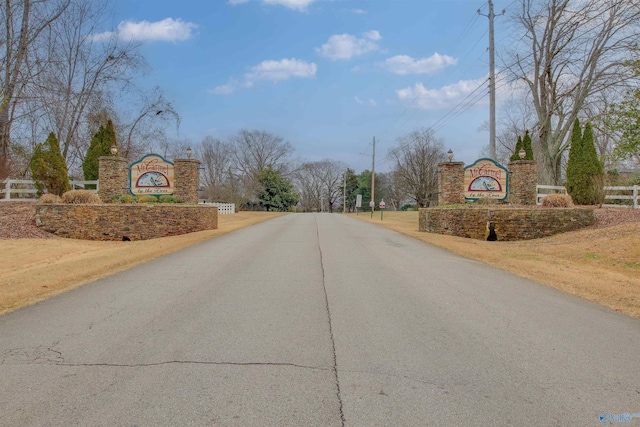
(316, 320)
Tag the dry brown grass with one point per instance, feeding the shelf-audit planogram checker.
(36, 269)
(601, 265)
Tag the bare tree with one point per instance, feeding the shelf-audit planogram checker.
(389, 188)
(319, 184)
(253, 151)
(517, 115)
(24, 22)
(308, 183)
(415, 160)
(572, 50)
(146, 131)
(82, 69)
(331, 176)
(216, 161)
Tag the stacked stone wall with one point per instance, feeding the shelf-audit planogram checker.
(450, 183)
(510, 223)
(523, 180)
(128, 221)
(113, 175)
(187, 180)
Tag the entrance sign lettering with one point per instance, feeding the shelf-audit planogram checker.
(485, 179)
(152, 175)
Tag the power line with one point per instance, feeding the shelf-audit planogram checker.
(455, 45)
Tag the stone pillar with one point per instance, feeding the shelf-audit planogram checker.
(113, 176)
(450, 183)
(523, 179)
(187, 180)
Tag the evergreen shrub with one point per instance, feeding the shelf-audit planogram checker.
(49, 168)
(168, 199)
(124, 198)
(146, 199)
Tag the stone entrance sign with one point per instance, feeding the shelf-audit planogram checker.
(152, 175)
(485, 179)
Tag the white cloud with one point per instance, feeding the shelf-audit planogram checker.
(358, 11)
(168, 29)
(372, 35)
(371, 101)
(346, 46)
(403, 64)
(270, 70)
(448, 96)
(281, 70)
(231, 86)
(299, 5)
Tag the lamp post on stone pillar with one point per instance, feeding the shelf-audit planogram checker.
(113, 177)
(187, 180)
(450, 182)
(523, 180)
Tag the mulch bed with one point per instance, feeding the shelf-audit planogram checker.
(18, 221)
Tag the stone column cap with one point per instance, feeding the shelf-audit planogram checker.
(451, 163)
(187, 160)
(522, 162)
(113, 159)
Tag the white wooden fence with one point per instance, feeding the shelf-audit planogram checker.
(223, 208)
(548, 189)
(81, 185)
(26, 191)
(631, 197)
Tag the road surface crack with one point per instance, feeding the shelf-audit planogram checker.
(190, 362)
(333, 342)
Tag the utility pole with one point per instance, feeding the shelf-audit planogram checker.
(373, 177)
(492, 81)
(344, 193)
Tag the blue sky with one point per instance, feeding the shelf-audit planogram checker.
(325, 75)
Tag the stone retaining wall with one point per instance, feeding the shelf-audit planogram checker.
(121, 221)
(511, 223)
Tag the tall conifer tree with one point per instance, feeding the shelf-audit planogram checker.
(575, 156)
(100, 146)
(526, 144)
(49, 168)
(516, 154)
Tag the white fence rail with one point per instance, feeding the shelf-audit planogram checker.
(24, 190)
(631, 197)
(223, 208)
(81, 185)
(548, 189)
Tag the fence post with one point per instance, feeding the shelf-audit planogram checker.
(635, 196)
(7, 189)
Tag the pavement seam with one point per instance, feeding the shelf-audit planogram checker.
(333, 342)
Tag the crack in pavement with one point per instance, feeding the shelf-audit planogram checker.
(333, 342)
(190, 362)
